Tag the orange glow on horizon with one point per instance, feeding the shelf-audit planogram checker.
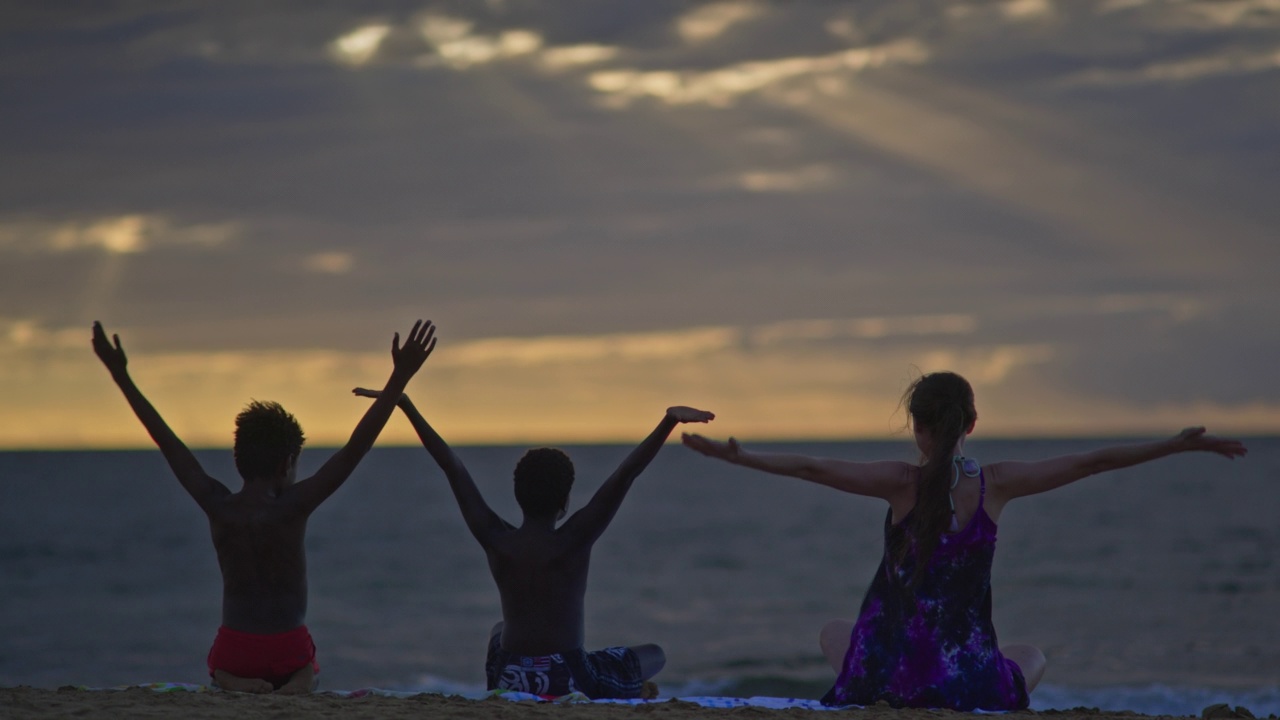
(587, 390)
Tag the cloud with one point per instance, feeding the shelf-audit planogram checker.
(590, 349)
(1025, 9)
(692, 343)
(464, 53)
(1230, 62)
(359, 46)
(333, 262)
(1094, 307)
(990, 365)
(709, 21)
(567, 56)
(1178, 307)
(113, 235)
(436, 39)
(1110, 6)
(1011, 10)
(810, 177)
(871, 328)
(1230, 13)
(721, 87)
(29, 334)
(121, 235)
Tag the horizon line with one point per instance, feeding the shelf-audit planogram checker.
(534, 442)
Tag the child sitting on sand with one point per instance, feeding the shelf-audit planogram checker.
(258, 532)
(541, 569)
(924, 636)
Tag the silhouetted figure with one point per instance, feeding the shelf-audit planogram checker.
(924, 636)
(263, 644)
(541, 569)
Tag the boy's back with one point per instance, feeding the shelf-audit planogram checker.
(260, 544)
(541, 576)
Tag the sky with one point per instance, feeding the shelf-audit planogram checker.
(779, 211)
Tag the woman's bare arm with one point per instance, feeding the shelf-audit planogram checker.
(885, 479)
(1013, 479)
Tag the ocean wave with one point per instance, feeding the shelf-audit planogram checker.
(1145, 699)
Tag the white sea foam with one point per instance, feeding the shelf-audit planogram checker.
(1145, 699)
(445, 686)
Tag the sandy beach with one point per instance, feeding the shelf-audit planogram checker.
(39, 704)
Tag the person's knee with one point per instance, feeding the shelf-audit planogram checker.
(834, 636)
(659, 654)
(652, 659)
(834, 641)
(1030, 660)
(227, 681)
(652, 653)
(301, 682)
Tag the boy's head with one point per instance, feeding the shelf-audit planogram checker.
(543, 478)
(268, 441)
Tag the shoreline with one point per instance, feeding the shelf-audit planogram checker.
(146, 702)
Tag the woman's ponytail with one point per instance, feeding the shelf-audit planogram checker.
(942, 404)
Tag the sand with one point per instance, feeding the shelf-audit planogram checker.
(42, 704)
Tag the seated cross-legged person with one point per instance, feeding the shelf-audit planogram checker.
(541, 568)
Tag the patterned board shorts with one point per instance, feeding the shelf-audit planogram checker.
(609, 673)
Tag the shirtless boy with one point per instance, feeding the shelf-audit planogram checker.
(541, 569)
(263, 645)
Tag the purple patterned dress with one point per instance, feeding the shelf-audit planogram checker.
(934, 647)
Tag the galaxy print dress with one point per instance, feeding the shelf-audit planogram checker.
(934, 647)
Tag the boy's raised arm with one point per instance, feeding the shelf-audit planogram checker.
(203, 488)
(481, 520)
(406, 361)
(591, 520)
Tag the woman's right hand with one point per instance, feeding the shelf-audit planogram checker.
(1193, 438)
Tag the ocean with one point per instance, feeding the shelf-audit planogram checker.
(1154, 589)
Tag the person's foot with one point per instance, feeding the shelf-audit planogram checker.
(293, 688)
(649, 690)
(234, 683)
(300, 683)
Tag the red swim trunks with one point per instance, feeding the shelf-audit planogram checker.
(274, 658)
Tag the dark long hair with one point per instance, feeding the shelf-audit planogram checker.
(942, 404)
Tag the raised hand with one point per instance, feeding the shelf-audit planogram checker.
(1194, 439)
(111, 355)
(682, 414)
(403, 402)
(729, 451)
(417, 346)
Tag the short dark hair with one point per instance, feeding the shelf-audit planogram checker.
(543, 478)
(267, 437)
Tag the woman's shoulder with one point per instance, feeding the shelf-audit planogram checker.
(999, 479)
